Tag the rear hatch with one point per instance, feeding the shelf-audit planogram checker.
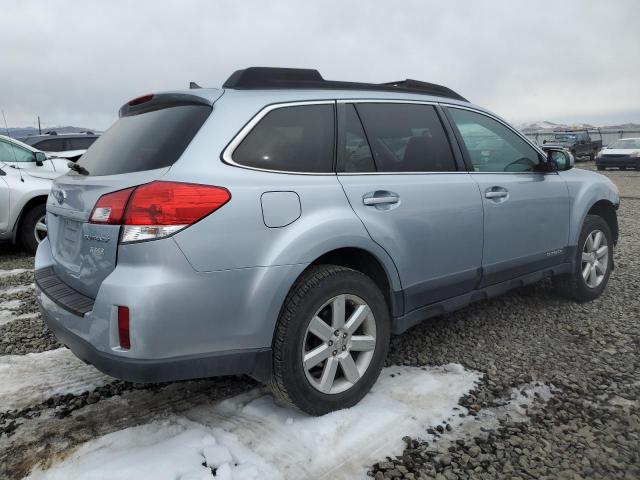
(140, 147)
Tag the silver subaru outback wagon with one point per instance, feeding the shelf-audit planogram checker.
(284, 226)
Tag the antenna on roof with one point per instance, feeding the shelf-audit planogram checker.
(193, 86)
(13, 148)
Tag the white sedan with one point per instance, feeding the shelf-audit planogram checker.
(623, 153)
(25, 180)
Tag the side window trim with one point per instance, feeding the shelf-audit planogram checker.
(463, 148)
(454, 145)
(227, 153)
(341, 125)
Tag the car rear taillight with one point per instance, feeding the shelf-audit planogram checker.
(158, 209)
(123, 328)
(110, 207)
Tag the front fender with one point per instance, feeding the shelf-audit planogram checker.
(586, 188)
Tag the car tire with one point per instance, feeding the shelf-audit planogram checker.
(33, 227)
(324, 293)
(580, 285)
(600, 167)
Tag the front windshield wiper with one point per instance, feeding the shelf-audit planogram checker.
(78, 168)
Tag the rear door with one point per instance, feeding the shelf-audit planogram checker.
(526, 210)
(139, 148)
(403, 182)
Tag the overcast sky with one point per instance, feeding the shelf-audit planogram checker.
(77, 62)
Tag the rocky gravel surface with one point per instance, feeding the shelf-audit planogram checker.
(28, 333)
(589, 428)
(584, 355)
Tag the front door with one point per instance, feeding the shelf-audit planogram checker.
(526, 211)
(402, 181)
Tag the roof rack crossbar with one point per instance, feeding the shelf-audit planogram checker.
(273, 78)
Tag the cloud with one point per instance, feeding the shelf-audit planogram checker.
(76, 62)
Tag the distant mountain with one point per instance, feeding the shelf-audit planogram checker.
(21, 132)
(550, 126)
(544, 125)
(624, 126)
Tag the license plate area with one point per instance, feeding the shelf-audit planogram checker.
(70, 237)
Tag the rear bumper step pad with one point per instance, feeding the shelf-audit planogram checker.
(61, 293)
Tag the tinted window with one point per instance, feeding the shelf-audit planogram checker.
(146, 141)
(492, 146)
(294, 139)
(12, 153)
(51, 145)
(406, 138)
(356, 155)
(80, 143)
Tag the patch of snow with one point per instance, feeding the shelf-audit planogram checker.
(15, 271)
(172, 448)
(11, 304)
(32, 378)
(249, 437)
(7, 316)
(19, 289)
(513, 408)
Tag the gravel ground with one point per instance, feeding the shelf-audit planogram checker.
(585, 354)
(28, 333)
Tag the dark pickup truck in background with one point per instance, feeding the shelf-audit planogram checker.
(579, 143)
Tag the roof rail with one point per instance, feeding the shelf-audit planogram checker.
(267, 78)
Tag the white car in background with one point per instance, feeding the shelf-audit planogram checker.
(25, 181)
(623, 153)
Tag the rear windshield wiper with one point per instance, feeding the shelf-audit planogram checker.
(78, 168)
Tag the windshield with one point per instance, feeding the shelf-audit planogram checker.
(626, 143)
(564, 137)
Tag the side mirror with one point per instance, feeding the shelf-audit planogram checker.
(40, 158)
(560, 158)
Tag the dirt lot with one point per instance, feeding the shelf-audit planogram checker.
(557, 396)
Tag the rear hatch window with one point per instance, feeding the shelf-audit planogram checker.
(137, 149)
(146, 141)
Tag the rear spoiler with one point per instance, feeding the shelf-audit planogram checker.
(158, 101)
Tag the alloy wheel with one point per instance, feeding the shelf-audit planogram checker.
(595, 258)
(339, 344)
(40, 229)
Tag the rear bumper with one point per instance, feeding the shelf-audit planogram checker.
(184, 324)
(256, 363)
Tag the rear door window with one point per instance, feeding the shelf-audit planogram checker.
(145, 141)
(406, 137)
(291, 139)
